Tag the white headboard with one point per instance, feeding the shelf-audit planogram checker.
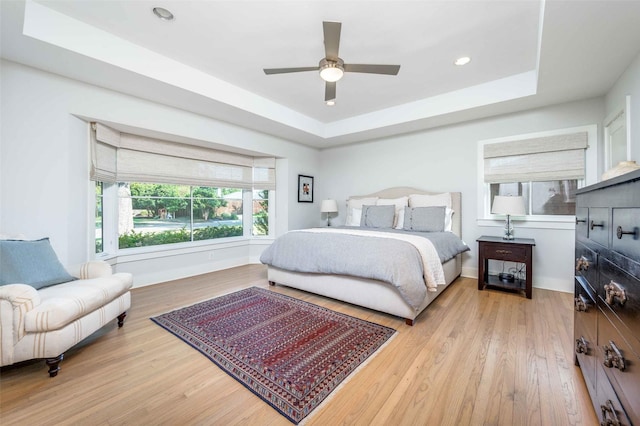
(405, 191)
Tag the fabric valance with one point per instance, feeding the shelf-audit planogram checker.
(124, 157)
(556, 157)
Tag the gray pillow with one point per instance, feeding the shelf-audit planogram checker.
(377, 216)
(424, 219)
(30, 262)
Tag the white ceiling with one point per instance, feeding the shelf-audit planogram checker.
(209, 60)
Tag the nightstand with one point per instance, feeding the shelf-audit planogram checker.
(518, 250)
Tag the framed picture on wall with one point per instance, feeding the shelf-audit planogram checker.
(305, 189)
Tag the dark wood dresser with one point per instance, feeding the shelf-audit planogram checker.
(607, 297)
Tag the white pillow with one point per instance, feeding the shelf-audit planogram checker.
(448, 223)
(357, 203)
(354, 218)
(400, 204)
(399, 219)
(419, 200)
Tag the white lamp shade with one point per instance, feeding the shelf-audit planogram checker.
(329, 206)
(508, 205)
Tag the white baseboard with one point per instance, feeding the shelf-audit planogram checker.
(151, 278)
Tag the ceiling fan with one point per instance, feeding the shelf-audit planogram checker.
(332, 67)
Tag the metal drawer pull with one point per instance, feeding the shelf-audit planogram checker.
(620, 233)
(581, 303)
(612, 291)
(609, 416)
(503, 251)
(581, 346)
(582, 264)
(613, 357)
(580, 220)
(593, 225)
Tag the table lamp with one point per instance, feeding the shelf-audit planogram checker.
(328, 207)
(510, 206)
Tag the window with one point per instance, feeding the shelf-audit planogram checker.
(541, 198)
(155, 214)
(170, 192)
(617, 147)
(545, 170)
(99, 227)
(260, 212)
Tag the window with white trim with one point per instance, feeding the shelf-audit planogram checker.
(545, 170)
(98, 222)
(163, 192)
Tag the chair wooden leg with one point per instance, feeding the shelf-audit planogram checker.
(54, 364)
(121, 319)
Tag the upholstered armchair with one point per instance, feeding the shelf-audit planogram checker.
(45, 321)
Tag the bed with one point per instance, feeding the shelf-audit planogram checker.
(294, 257)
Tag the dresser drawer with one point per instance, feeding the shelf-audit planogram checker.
(621, 293)
(587, 264)
(621, 365)
(585, 331)
(599, 226)
(508, 252)
(606, 403)
(626, 232)
(582, 222)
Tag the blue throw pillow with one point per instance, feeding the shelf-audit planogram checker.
(31, 262)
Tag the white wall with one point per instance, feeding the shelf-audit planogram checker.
(628, 84)
(445, 159)
(44, 187)
(43, 168)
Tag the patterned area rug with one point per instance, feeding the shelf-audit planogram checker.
(290, 353)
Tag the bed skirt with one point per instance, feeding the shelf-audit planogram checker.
(372, 294)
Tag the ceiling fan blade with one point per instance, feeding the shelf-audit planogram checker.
(331, 39)
(372, 69)
(270, 71)
(329, 91)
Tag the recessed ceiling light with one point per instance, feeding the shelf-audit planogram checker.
(462, 61)
(163, 13)
(331, 102)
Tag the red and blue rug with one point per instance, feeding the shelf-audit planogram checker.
(290, 353)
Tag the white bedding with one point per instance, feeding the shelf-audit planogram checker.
(432, 268)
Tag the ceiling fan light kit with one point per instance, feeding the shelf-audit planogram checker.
(331, 70)
(332, 67)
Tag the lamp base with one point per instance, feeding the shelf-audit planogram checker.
(508, 229)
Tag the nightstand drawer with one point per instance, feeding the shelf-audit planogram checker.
(507, 252)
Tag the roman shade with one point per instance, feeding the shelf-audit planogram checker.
(556, 157)
(124, 157)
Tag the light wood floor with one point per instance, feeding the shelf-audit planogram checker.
(473, 357)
